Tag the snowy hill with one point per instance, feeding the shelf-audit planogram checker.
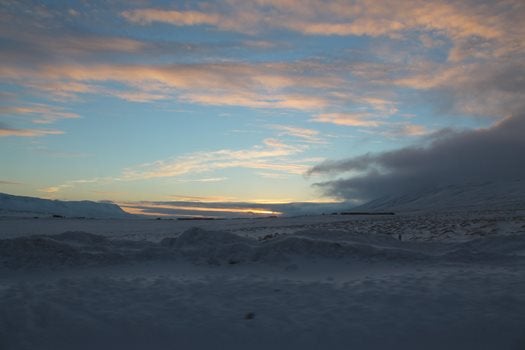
(476, 196)
(11, 205)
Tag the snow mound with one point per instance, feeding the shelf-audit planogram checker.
(71, 249)
(335, 244)
(221, 248)
(18, 205)
(212, 247)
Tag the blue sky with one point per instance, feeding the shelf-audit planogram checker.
(237, 100)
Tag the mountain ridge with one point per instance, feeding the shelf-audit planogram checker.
(13, 205)
(479, 196)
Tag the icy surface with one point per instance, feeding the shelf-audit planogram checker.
(447, 281)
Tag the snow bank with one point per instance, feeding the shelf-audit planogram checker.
(221, 248)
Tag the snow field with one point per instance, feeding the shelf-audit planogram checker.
(295, 283)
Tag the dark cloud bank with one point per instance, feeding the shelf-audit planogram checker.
(496, 154)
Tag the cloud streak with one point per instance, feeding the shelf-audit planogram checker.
(304, 134)
(349, 119)
(6, 131)
(271, 155)
(264, 85)
(39, 113)
(223, 209)
(460, 21)
(13, 183)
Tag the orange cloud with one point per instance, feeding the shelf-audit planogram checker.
(308, 135)
(457, 20)
(348, 119)
(240, 84)
(28, 132)
(179, 18)
(40, 113)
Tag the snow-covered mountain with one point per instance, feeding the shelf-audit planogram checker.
(11, 205)
(477, 196)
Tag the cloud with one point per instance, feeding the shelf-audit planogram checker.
(39, 113)
(367, 120)
(257, 100)
(8, 131)
(225, 209)
(258, 85)
(348, 119)
(467, 24)
(72, 184)
(404, 129)
(80, 44)
(275, 176)
(139, 96)
(186, 198)
(271, 155)
(204, 180)
(51, 58)
(179, 18)
(14, 183)
(331, 89)
(53, 189)
(304, 134)
(450, 157)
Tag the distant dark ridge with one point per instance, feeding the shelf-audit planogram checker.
(366, 213)
(489, 195)
(31, 206)
(197, 218)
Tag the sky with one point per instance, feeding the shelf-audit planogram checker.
(263, 101)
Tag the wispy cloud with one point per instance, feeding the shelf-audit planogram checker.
(406, 129)
(304, 134)
(459, 21)
(71, 184)
(263, 85)
(271, 155)
(204, 180)
(181, 18)
(269, 175)
(8, 131)
(39, 113)
(54, 189)
(349, 119)
(211, 199)
(14, 183)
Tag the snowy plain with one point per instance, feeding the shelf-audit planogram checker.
(454, 281)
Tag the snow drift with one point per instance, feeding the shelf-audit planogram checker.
(223, 248)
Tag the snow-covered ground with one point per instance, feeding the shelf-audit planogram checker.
(453, 281)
